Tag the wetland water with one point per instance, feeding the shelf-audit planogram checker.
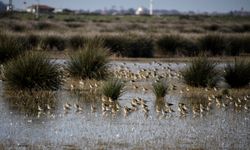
(218, 128)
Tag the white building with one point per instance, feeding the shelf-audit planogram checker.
(140, 11)
(41, 8)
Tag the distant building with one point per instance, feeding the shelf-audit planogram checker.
(140, 11)
(2, 7)
(41, 8)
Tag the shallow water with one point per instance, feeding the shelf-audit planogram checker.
(217, 129)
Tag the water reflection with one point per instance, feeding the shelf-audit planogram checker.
(32, 103)
(201, 103)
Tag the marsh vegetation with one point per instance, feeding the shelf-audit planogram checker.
(84, 95)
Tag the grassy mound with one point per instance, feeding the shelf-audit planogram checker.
(237, 74)
(160, 89)
(201, 72)
(10, 47)
(89, 62)
(113, 88)
(32, 71)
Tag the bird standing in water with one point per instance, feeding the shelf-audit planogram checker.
(182, 109)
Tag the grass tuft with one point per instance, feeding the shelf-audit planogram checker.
(173, 44)
(10, 47)
(160, 89)
(130, 45)
(213, 43)
(32, 71)
(53, 42)
(201, 72)
(89, 62)
(237, 74)
(113, 88)
(77, 41)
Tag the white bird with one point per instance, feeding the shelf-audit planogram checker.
(48, 107)
(66, 106)
(39, 108)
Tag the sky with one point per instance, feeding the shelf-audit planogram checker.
(181, 5)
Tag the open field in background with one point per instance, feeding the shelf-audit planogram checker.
(124, 82)
(133, 36)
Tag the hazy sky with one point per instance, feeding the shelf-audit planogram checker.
(181, 5)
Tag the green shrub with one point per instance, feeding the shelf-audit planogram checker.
(237, 74)
(187, 48)
(138, 47)
(28, 41)
(77, 41)
(245, 44)
(89, 62)
(130, 45)
(114, 43)
(213, 44)
(17, 27)
(42, 25)
(53, 42)
(33, 41)
(168, 44)
(74, 25)
(160, 89)
(113, 88)
(173, 44)
(241, 28)
(212, 27)
(235, 46)
(10, 47)
(201, 72)
(32, 71)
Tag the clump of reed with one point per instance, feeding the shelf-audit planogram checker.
(168, 44)
(135, 46)
(214, 44)
(32, 71)
(160, 89)
(89, 62)
(77, 41)
(41, 25)
(28, 41)
(10, 47)
(201, 73)
(130, 45)
(173, 44)
(33, 103)
(17, 27)
(113, 88)
(53, 42)
(237, 74)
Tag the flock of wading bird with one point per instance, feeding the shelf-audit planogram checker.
(154, 74)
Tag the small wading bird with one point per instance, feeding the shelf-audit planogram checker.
(157, 109)
(77, 107)
(39, 108)
(202, 109)
(66, 106)
(48, 107)
(127, 110)
(93, 108)
(168, 108)
(182, 109)
(134, 104)
(195, 111)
